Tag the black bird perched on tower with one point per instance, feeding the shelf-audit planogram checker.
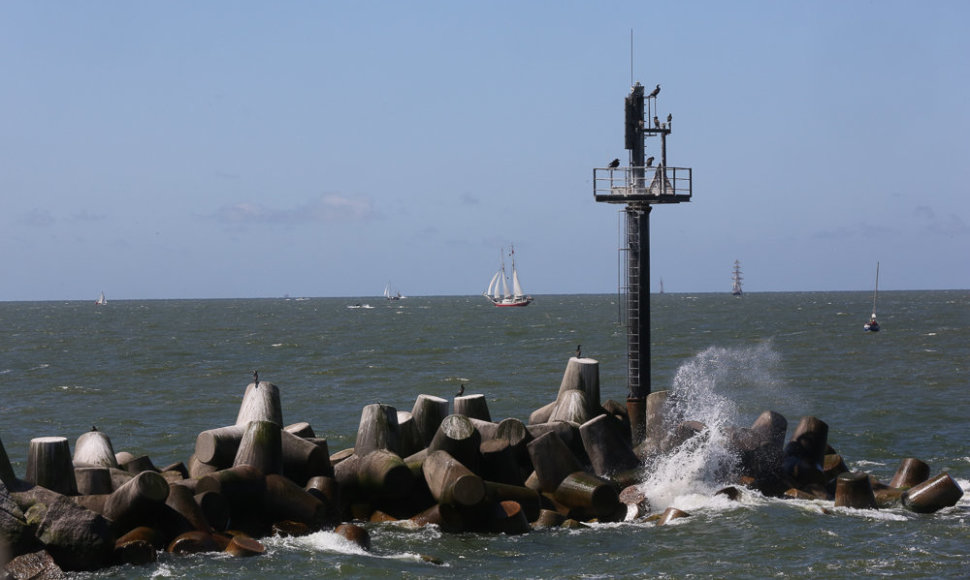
(654, 92)
(461, 390)
(656, 122)
(614, 164)
(669, 117)
(650, 161)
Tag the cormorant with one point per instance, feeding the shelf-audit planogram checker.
(649, 161)
(669, 117)
(94, 427)
(654, 92)
(256, 377)
(579, 351)
(656, 122)
(461, 390)
(614, 164)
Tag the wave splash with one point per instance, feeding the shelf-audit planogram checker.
(702, 393)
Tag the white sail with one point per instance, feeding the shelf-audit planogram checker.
(875, 293)
(516, 287)
(101, 299)
(493, 285)
(873, 324)
(505, 285)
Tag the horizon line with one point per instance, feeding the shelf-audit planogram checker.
(381, 297)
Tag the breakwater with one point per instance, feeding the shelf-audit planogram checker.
(444, 462)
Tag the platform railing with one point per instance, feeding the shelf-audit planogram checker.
(650, 184)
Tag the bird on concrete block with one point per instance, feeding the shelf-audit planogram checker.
(614, 164)
(650, 161)
(579, 351)
(461, 390)
(654, 93)
(256, 377)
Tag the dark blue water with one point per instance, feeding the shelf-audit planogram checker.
(152, 374)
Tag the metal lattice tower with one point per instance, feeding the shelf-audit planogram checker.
(639, 186)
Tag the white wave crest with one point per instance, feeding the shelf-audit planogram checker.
(688, 476)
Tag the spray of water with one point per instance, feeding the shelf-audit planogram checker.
(704, 390)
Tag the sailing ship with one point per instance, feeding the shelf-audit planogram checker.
(872, 325)
(736, 278)
(498, 289)
(101, 301)
(392, 294)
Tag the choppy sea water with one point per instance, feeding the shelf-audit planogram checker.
(152, 374)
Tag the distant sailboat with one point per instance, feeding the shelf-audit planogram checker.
(498, 289)
(392, 294)
(661, 285)
(736, 278)
(872, 325)
(101, 301)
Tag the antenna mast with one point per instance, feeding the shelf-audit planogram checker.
(631, 57)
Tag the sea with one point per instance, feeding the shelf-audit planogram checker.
(152, 374)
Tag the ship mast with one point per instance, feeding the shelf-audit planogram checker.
(736, 277)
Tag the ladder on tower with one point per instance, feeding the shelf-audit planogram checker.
(631, 248)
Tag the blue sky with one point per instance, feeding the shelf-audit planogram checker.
(250, 149)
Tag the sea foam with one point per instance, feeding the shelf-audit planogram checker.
(688, 476)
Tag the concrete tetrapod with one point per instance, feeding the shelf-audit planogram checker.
(451, 482)
(911, 471)
(853, 489)
(49, 464)
(933, 495)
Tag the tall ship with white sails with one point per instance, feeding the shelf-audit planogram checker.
(736, 279)
(498, 288)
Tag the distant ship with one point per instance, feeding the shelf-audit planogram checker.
(498, 289)
(392, 294)
(873, 325)
(101, 301)
(736, 279)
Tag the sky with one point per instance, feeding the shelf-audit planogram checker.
(259, 149)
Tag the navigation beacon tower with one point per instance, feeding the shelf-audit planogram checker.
(640, 186)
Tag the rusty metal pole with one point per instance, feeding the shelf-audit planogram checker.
(638, 321)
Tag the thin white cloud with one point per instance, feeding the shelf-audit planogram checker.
(329, 208)
(950, 225)
(86, 216)
(40, 218)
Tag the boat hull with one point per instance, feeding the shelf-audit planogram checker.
(511, 302)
